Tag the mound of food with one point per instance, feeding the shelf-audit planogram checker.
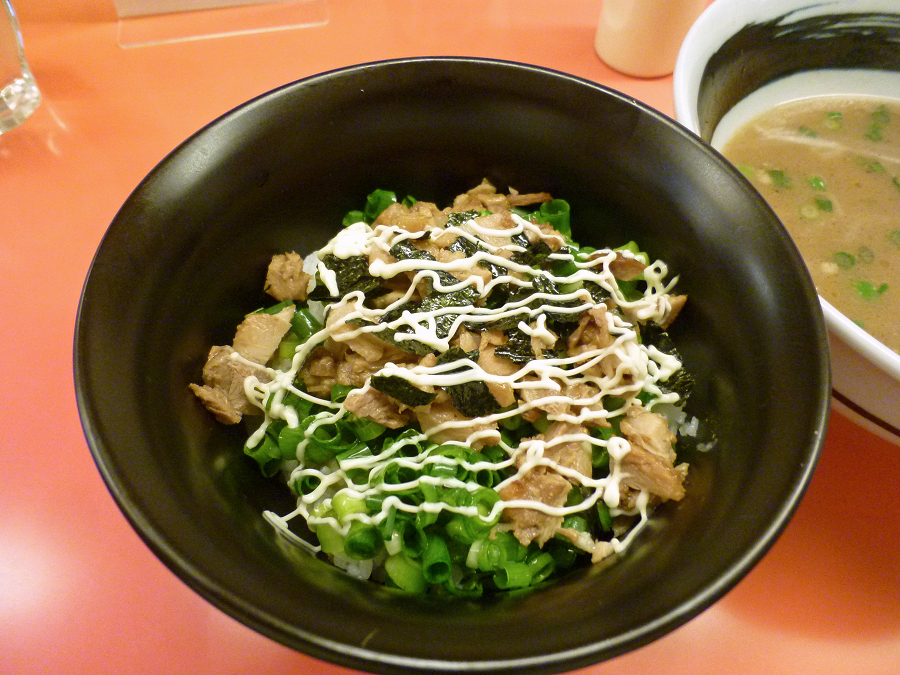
(463, 400)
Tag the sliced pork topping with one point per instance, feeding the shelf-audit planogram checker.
(529, 524)
(443, 423)
(377, 407)
(259, 335)
(285, 279)
(649, 465)
(223, 385)
(565, 445)
(626, 268)
(256, 340)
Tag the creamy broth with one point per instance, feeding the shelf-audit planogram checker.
(830, 168)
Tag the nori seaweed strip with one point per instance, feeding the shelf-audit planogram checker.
(469, 248)
(554, 353)
(457, 218)
(544, 285)
(598, 293)
(405, 250)
(517, 348)
(401, 390)
(472, 399)
(387, 335)
(681, 382)
(505, 323)
(464, 297)
(535, 255)
(520, 240)
(456, 354)
(351, 274)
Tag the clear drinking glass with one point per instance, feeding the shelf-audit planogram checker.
(19, 94)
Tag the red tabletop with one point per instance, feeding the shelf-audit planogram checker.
(80, 593)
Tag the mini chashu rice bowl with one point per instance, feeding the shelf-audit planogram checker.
(181, 265)
(441, 253)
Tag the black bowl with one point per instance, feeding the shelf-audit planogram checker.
(185, 258)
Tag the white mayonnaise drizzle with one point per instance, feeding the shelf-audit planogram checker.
(637, 368)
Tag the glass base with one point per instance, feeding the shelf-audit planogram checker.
(18, 100)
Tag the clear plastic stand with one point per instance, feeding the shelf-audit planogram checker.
(152, 22)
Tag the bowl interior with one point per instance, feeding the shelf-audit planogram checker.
(185, 259)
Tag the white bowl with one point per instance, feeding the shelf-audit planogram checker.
(740, 58)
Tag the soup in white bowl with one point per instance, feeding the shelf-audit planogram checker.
(741, 61)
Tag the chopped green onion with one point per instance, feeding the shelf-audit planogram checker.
(436, 565)
(288, 346)
(413, 540)
(267, 454)
(880, 118)
(405, 573)
(288, 440)
(344, 505)
(541, 424)
(469, 586)
(339, 392)
(868, 290)
(377, 202)
(327, 440)
(363, 541)
(604, 517)
(564, 554)
(304, 324)
(541, 565)
(556, 213)
(806, 131)
(513, 575)
(355, 452)
(600, 458)
(875, 133)
(816, 183)
(274, 309)
(576, 522)
(870, 165)
(306, 484)
(747, 170)
(833, 120)
(779, 178)
(365, 429)
(330, 539)
(825, 205)
(844, 260)
(352, 218)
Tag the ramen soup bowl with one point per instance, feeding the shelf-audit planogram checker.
(185, 259)
(739, 60)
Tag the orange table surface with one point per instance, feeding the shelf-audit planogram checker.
(80, 593)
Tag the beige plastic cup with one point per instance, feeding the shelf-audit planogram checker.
(642, 37)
